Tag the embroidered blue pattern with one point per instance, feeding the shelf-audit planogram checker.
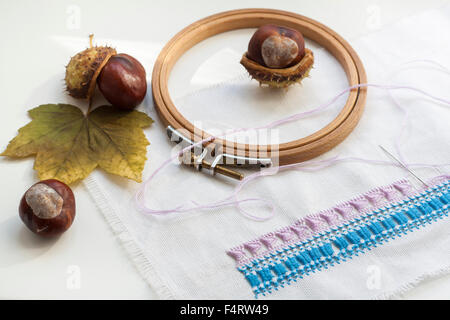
(323, 250)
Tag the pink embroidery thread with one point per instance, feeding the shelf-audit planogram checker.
(313, 224)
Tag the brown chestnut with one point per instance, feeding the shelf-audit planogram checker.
(276, 47)
(123, 81)
(48, 208)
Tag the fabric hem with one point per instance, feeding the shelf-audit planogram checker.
(408, 286)
(281, 266)
(137, 256)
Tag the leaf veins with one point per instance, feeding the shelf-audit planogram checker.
(68, 145)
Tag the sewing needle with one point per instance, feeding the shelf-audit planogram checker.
(403, 165)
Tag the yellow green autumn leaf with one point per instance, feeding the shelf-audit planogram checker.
(68, 145)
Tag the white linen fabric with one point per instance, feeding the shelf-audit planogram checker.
(183, 256)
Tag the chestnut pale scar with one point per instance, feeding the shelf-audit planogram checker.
(278, 51)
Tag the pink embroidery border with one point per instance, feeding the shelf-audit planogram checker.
(313, 224)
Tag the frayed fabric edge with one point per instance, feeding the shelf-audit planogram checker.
(281, 266)
(410, 285)
(137, 256)
(148, 272)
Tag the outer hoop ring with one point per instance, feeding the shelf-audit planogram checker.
(291, 152)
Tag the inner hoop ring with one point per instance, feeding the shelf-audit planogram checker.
(290, 152)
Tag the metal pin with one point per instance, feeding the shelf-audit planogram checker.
(403, 165)
(216, 169)
(198, 162)
(223, 170)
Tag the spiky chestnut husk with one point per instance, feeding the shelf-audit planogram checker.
(279, 78)
(84, 68)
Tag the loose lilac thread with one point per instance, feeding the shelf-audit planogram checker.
(232, 200)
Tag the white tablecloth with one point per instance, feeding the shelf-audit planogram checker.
(87, 261)
(184, 255)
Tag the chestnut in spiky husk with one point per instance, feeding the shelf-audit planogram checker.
(120, 77)
(277, 56)
(48, 207)
(84, 68)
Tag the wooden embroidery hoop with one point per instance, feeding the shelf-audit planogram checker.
(291, 152)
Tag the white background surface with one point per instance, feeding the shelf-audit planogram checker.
(32, 59)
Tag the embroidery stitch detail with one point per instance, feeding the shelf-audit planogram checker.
(321, 240)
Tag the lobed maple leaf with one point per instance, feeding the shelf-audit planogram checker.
(68, 145)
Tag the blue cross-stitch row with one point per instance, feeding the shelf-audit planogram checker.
(281, 267)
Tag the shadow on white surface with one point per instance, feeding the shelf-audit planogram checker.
(14, 234)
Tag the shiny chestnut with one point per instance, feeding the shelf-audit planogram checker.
(48, 208)
(276, 46)
(122, 81)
